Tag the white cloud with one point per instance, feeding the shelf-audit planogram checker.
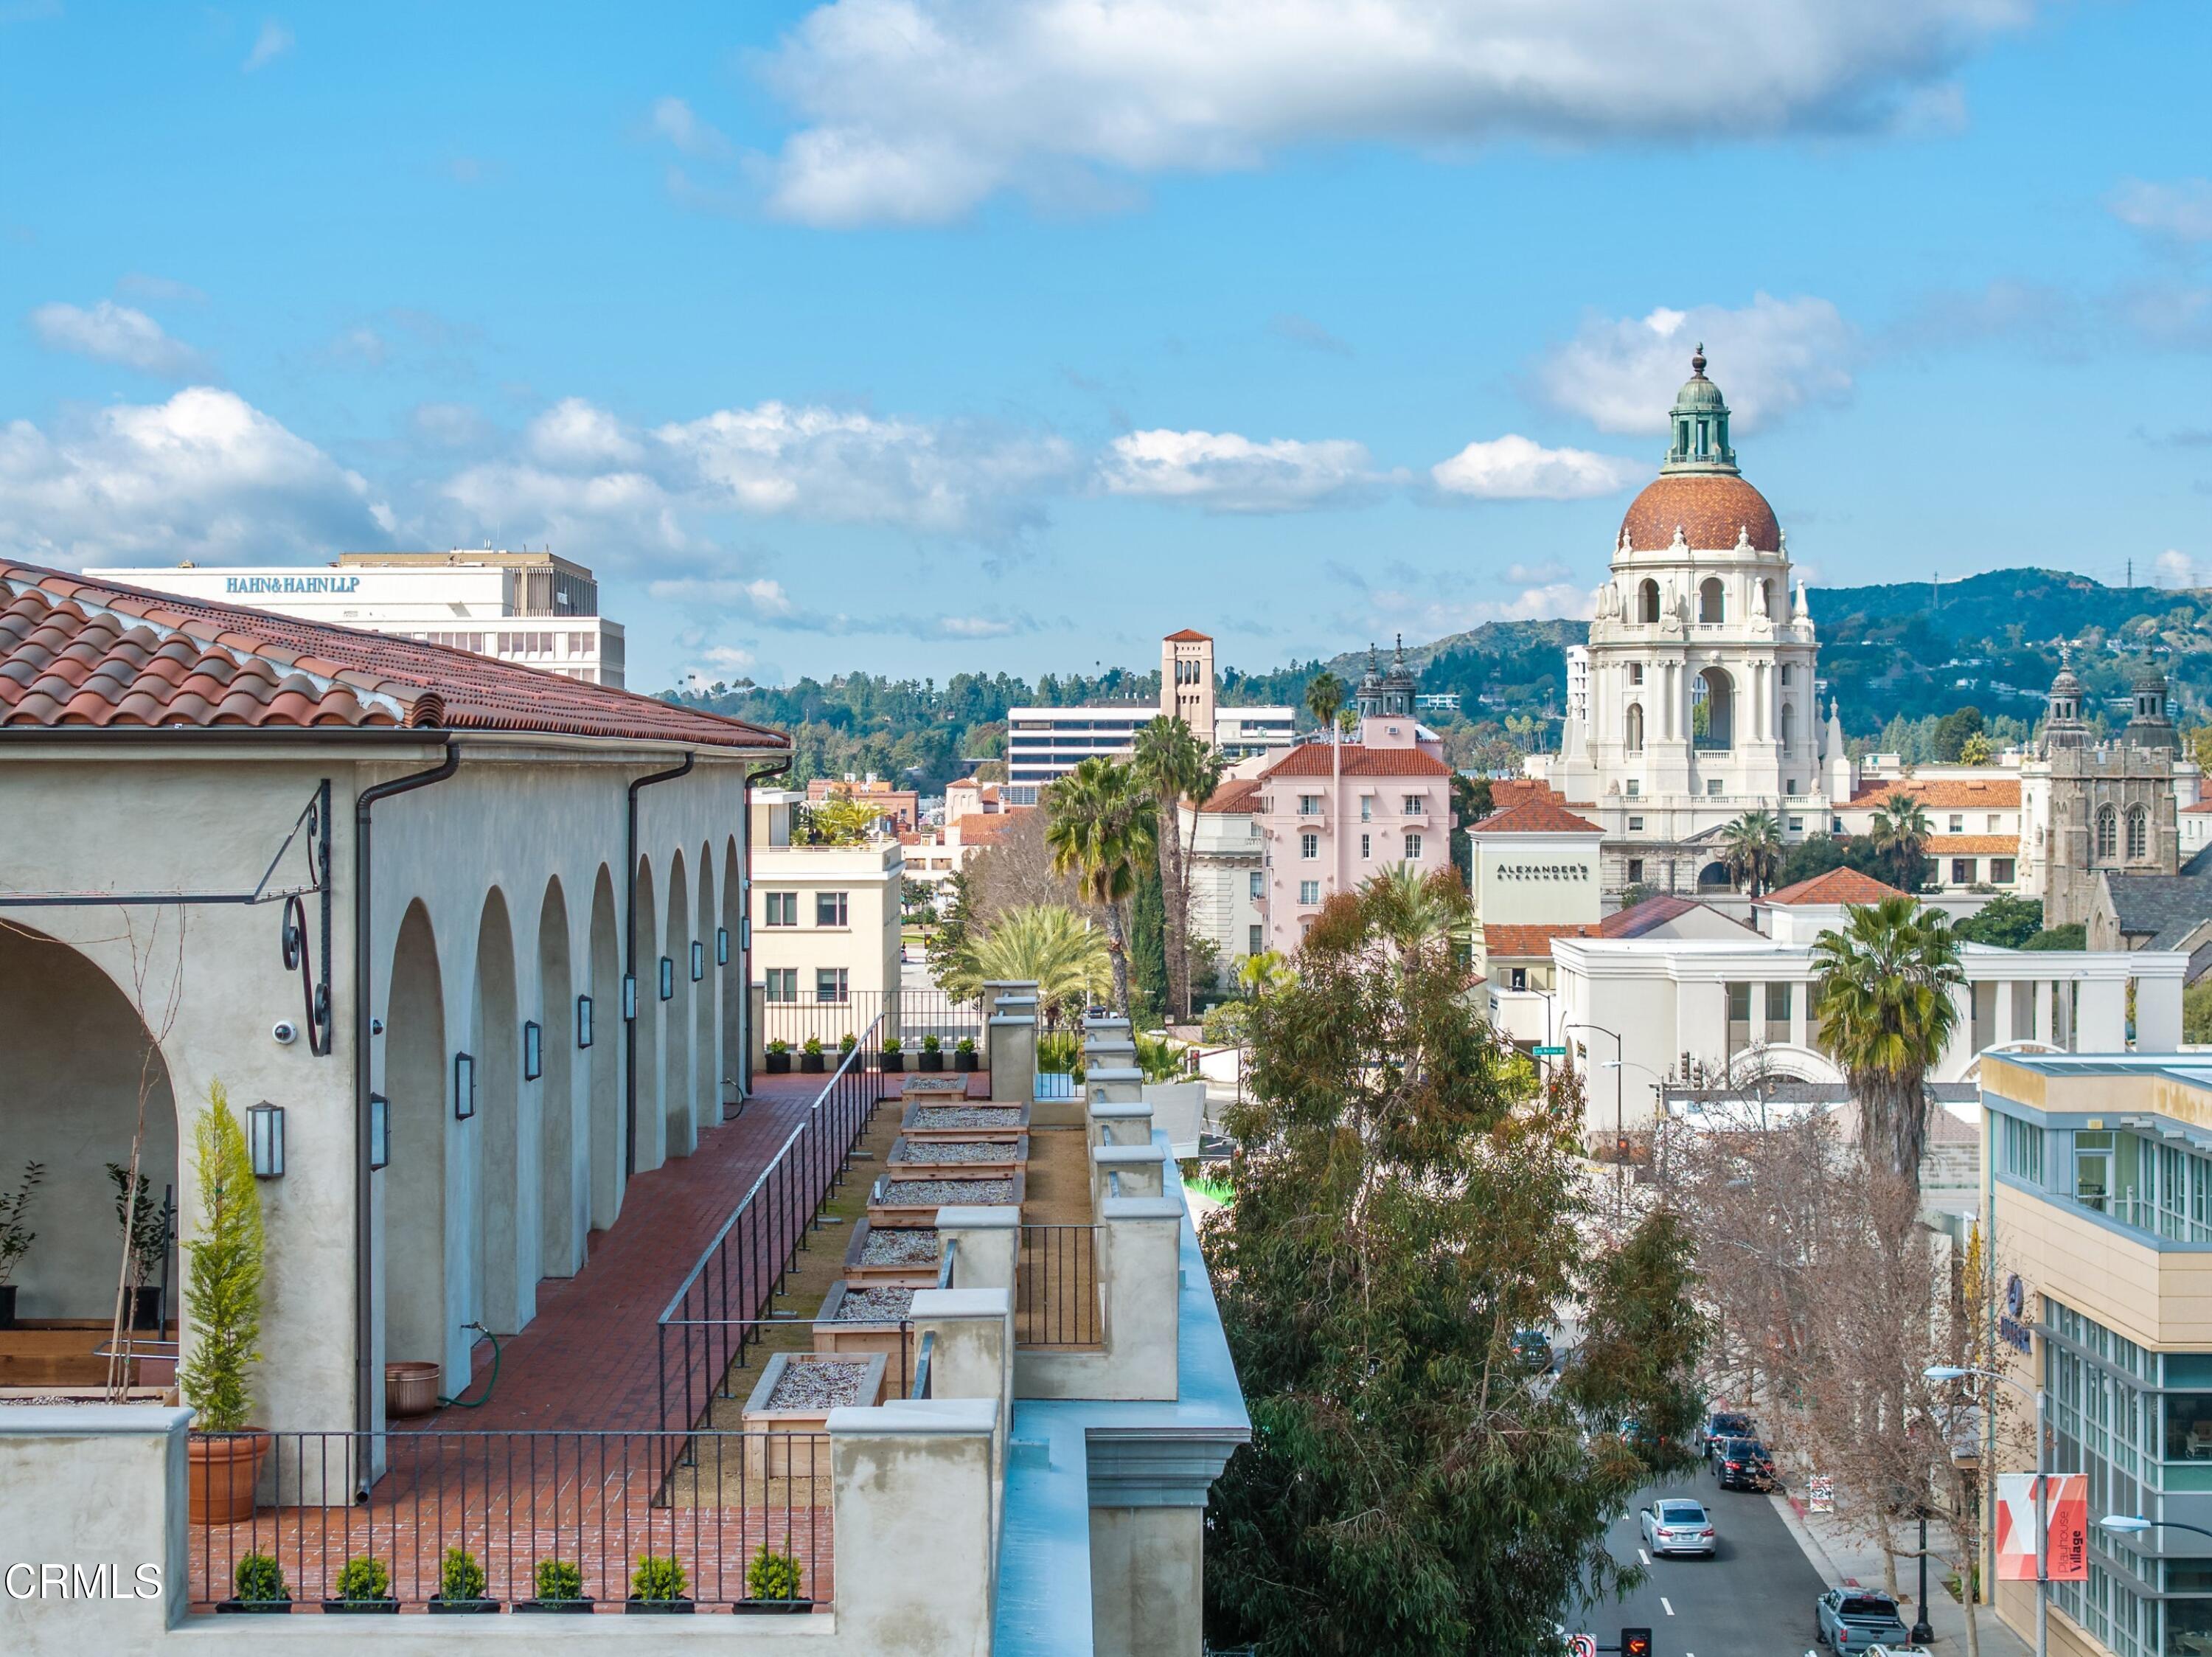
(108, 332)
(204, 475)
(756, 596)
(272, 42)
(1514, 468)
(1225, 472)
(1770, 357)
(672, 119)
(2176, 568)
(159, 289)
(915, 110)
(2181, 212)
(573, 433)
(1426, 614)
(974, 627)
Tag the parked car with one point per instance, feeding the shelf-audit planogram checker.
(1673, 1525)
(1534, 1349)
(1722, 1424)
(1742, 1463)
(1856, 1620)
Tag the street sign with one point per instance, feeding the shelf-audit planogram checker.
(1581, 1645)
(1549, 1052)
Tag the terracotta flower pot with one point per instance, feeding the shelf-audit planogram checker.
(410, 1387)
(224, 1469)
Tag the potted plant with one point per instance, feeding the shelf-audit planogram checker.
(963, 1053)
(257, 1585)
(656, 1587)
(846, 1043)
(223, 1291)
(364, 1589)
(810, 1056)
(932, 1053)
(779, 1058)
(894, 1057)
(560, 1588)
(16, 1237)
(146, 1230)
(461, 1587)
(772, 1584)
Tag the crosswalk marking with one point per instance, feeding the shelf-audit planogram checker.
(1666, 1605)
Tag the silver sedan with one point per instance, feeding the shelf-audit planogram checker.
(1674, 1525)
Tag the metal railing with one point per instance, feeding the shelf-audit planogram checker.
(728, 1294)
(908, 1015)
(1056, 1286)
(594, 1502)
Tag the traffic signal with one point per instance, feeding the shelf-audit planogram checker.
(1635, 1642)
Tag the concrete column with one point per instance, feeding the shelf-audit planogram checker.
(1111, 1053)
(2000, 1027)
(1121, 1122)
(1140, 1271)
(756, 1021)
(971, 1335)
(915, 1493)
(1013, 1058)
(1147, 1582)
(1140, 1169)
(990, 1242)
(1115, 1084)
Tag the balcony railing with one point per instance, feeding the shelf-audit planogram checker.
(2141, 1214)
(1056, 1286)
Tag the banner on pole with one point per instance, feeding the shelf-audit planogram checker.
(2070, 1527)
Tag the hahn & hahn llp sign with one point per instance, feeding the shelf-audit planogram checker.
(291, 587)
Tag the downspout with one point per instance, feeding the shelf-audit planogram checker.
(364, 1191)
(745, 925)
(633, 990)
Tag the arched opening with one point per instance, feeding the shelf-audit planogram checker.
(645, 1030)
(1714, 876)
(2108, 831)
(604, 1056)
(706, 1020)
(1634, 736)
(1709, 600)
(74, 1058)
(495, 1037)
(1647, 602)
(420, 1322)
(2138, 834)
(1789, 729)
(731, 980)
(558, 1194)
(1712, 711)
(676, 1035)
(1767, 597)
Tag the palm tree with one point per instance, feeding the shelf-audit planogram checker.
(1886, 1016)
(1258, 975)
(1177, 766)
(1060, 951)
(1416, 911)
(1324, 696)
(1901, 832)
(1102, 824)
(1752, 850)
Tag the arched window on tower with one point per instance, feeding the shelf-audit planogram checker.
(1710, 601)
(1647, 602)
(2138, 834)
(2108, 832)
(1634, 736)
(1788, 729)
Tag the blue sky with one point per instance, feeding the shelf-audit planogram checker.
(923, 335)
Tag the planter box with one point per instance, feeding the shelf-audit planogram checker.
(893, 1063)
(966, 1061)
(807, 1457)
(581, 1607)
(888, 1337)
(361, 1608)
(659, 1607)
(956, 1158)
(932, 1061)
(938, 1089)
(254, 1607)
(463, 1607)
(917, 1209)
(764, 1607)
(918, 1274)
(962, 1120)
(813, 1064)
(777, 1064)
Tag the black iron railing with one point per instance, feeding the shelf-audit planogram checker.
(588, 1505)
(908, 1016)
(1056, 1286)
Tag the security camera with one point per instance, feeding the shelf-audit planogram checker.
(286, 1031)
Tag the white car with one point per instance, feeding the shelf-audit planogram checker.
(1673, 1525)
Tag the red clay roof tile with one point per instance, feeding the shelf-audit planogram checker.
(1837, 886)
(1535, 817)
(1356, 759)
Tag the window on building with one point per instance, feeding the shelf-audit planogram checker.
(829, 909)
(1413, 848)
(830, 984)
(1710, 606)
(1997, 823)
(1310, 891)
(1259, 884)
(1958, 822)
(1416, 804)
(1647, 602)
(1633, 737)
(782, 908)
(1310, 805)
(2001, 871)
(1789, 674)
(1635, 871)
(1835, 825)
(1366, 847)
(1366, 808)
(1253, 941)
(2093, 1169)
(1712, 785)
(1517, 977)
(2138, 833)
(780, 984)
(1738, 1018)
(1792, 786)
(1635, 826)
(1962, 871)
(1635, 787)
(2108, 831)
(2023, 1150)
(1309, 846)
(1796, 826)
(1777, 1013)
(1636, 673)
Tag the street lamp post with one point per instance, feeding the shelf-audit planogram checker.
(1923, 1631)
(1948, 1371)
(1619, 1122)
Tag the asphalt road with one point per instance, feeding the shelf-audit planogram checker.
(1753, 1598)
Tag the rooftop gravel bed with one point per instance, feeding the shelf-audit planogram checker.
(885, 1305)
(914, 1247)
(820, 1384)
(968, 1116)
(937, 1151)
(967, 1192)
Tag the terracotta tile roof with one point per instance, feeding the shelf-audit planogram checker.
(1528, 942)
(1239, 794)
(1973, 845)
(1311, 759)
(987, 828)
(1507, 792)
(1837, 886)
(1188, 635)
(2202, 805)
(1710, 508)
(1535, 817)
(98, 654)
(1941, 793)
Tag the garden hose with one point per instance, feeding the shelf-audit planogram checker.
(490, 1381)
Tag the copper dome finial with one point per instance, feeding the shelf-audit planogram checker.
(1698, 361)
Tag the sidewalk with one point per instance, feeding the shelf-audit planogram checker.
(1841, 1557)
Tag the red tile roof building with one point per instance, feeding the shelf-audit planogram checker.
(1837, 886)
(1331, 816)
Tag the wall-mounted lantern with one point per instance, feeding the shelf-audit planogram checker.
(722, 946)
(667, 978)
(583, 1020)
(533, 1051)
(630, 997)
(265, 1139)
(464, 1086)
(698, 959)
(379, 1131)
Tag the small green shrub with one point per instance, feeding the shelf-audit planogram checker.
(658, 1578)
(558, 1579)
(364, 1578)
(778, 1046)
(812, 1044)
(259, 1577)
(223, 1272)
(891, 1046)
(1226, 1023)
(772, 1576)
(459, 1576)
(965, 1044)
(932, 1044)
(848, 1042)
